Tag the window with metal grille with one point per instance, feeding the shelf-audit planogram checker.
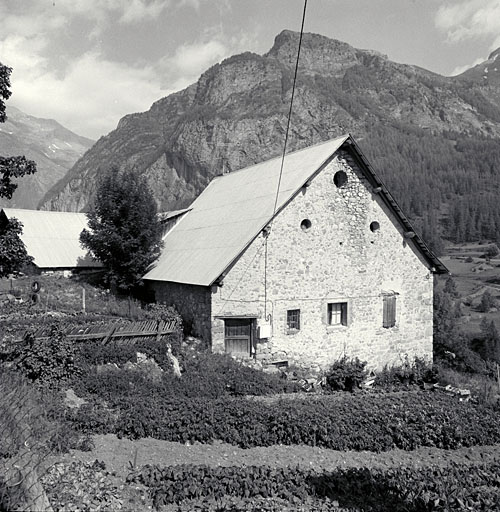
(337, 313)
(389, 319)
(293, 319)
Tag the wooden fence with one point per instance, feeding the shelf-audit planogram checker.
(125, 333)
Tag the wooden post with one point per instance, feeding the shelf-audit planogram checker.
(158, 331)
(83, 300)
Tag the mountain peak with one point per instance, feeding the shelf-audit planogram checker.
(319, 54)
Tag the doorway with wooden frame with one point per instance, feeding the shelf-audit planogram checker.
(239, 336)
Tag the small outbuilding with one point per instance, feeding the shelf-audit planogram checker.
(301, 266)
(52, 238)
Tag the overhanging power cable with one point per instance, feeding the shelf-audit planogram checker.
(284, 152)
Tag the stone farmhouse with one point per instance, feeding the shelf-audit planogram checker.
(328, 267)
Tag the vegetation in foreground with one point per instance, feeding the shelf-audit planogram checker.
(210, 402)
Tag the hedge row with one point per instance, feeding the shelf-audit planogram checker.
(344, 422)
(455, 487)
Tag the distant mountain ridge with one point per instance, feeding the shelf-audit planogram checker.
(53, 147)
(235, 116)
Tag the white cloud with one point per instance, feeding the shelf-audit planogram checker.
(460, 69)
(89, 92)
(470, 19)
(190, 60)
(90, 98)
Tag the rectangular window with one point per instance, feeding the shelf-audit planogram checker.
(337, 313)
(293, 319)
(389, 319)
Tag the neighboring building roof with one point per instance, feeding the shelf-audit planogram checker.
(52, 238)
(234, 208)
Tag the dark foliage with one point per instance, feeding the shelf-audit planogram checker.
(11, 167)
(370, 489)
(408, 373)
(47, 362)
(346, 374)
(204, 374)
(125, 233)
(487, 302)
(344, 422)
(451, 347)
(13, 254)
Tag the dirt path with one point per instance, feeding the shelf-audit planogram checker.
(117, 454)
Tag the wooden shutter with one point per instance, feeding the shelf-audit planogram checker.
(343, 314)
(389, 312)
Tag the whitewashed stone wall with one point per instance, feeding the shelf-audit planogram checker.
(338, 260)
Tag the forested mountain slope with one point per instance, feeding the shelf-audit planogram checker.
(54, 149)
(435, 140)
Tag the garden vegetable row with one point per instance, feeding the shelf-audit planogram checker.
(456, 487)
(340, 422)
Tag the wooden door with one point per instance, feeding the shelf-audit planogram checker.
(238, 334)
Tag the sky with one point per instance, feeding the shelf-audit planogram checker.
(87, 63)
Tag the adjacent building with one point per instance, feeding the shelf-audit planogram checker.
(52, 238)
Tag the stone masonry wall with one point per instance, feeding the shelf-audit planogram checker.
(339, 259)
(191, 301)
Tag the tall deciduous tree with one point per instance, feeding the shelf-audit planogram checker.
(13, 255)
(125, 232)
(11, 167)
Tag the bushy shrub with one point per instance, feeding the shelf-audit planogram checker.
(47, 362)
(204, 374)
(346, 374)
(408, 373)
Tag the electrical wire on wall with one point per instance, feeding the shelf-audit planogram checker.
(268, 231)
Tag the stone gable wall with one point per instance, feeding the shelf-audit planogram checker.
(339, 259)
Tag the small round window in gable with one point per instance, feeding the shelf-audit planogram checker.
(305, 225)
(340, 178)
(374, 226)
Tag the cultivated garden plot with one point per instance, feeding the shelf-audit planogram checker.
(114, 428)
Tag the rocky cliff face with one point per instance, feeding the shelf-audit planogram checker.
(235, 115)
(54, 149)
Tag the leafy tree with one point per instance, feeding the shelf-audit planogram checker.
(11, 167)
(125, 232)
(492, 251)
(487, 302)
(13, 255)
(491, 340)
(450, 287)
(450, 345)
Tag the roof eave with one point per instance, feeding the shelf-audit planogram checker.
(435, 264)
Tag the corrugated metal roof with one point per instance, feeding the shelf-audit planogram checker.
(52, 238)
(234, 208)
(230, 212)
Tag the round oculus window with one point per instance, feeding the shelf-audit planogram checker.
(340, 179)
(305, 225)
